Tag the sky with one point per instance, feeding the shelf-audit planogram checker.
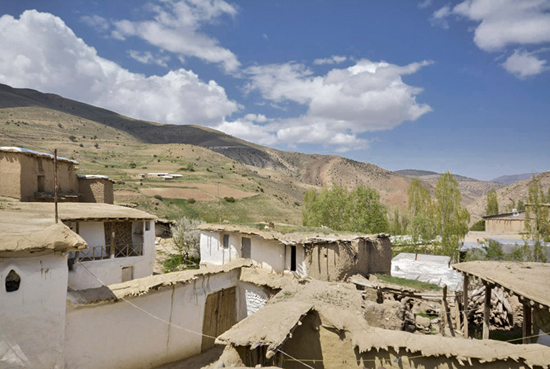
(436, 85)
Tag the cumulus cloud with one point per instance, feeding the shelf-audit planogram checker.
(504, 23)
(524, 64)
(340, 105)
(176, 26)
(425, 4)
(39, 51)
(335, 59)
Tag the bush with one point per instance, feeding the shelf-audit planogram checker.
(191, 200)
(72, 138)
(478, 226)
(158, 197)
(229, 199)
(133, 165)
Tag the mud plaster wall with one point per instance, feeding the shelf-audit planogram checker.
(332, 348)
(32, 319)
(98, 190)
(117, 335)
(21, 173)
(338, 260)
(504, 225)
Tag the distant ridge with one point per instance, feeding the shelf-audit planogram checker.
(513, 178)
(415, 172)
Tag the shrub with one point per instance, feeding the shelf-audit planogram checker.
(72, 138)
(478, 226)
(133, 165)
(191, 200)
(229, 199)
(158, 197)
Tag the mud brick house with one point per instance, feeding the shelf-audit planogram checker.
(303, 253)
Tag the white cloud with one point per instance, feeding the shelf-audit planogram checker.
(335, 59)
(39, 51)
(100, 24)
(147, 57)
(507, 22)
(368, 96)
(176, 28)
(524, 64)
(425, 4)
(439, 17)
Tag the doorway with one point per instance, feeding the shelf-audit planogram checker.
(292, 258)
(219, 315)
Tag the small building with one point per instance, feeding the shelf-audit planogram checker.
(319, 255)
(505, 223)
(28, 175)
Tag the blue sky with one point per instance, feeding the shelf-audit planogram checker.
(436, 85)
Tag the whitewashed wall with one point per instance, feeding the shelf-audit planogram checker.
(267, 254)
(117, 335)
(109, 271)
(251, 299)
(32, 319)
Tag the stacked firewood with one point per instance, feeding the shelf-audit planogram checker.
(501, 310)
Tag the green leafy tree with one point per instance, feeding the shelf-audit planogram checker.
(422, 226)
(452, 218)
(186, 240)
(537, 224)
(521, 206)
(492, 203)
(357, 211)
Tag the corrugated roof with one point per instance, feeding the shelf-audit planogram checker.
(520, 215)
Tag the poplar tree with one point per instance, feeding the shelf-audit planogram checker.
(492, 203)
(537, 224)
(421, 210)
(452, 218)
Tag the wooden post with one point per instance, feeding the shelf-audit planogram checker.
(444, 306)
(487, 312)
(55, 183)
(527, 322)
(465, 287)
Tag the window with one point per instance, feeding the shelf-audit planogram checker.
(12, 281)
(147, 225)
(225, 241)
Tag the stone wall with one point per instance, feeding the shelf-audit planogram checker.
(505, 225)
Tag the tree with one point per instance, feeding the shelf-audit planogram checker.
(492, 203)
(537, 223)
(357, 211)
(452, 218)
(421, 209)
(186, 239)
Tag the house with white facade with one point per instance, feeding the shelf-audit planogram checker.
(316, 253)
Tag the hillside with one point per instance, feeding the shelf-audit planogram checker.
(470, 188)
(512, 178)
(267, 183)
(514, 192)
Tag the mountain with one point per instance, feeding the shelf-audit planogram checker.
(512, 193)
(470, 188)
(512, 178)
(270, 182)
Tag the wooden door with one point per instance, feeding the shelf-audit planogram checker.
(219, 315)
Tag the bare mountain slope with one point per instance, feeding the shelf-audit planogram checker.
(514, 192)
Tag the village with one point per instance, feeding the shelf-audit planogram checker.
(79, 290)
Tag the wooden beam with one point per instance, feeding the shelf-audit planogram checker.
(487, 312)
(465, 286)
(527, 323)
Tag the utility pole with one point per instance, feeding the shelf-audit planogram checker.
(55, 182)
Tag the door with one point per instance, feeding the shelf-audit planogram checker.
(292, 258)
(219, 315)
(245, 248)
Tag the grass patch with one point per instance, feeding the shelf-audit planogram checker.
(423, 286)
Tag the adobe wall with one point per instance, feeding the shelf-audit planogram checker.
(338, 260)
(23, 174)
(98, 190)
(10, 180)
(32, 319)
(504, 225)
